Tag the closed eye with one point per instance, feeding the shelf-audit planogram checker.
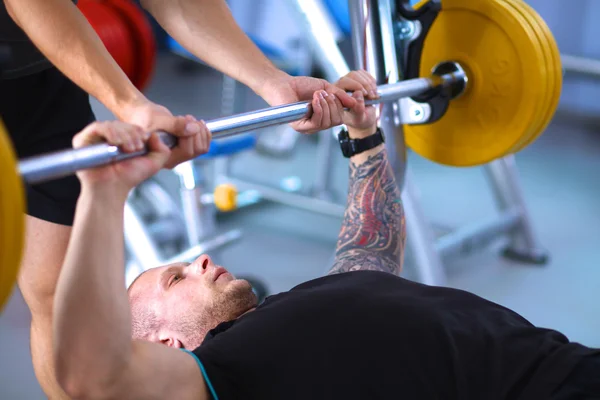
(174, 279)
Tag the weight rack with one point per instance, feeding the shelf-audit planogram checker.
(387, 38)
(386, 57)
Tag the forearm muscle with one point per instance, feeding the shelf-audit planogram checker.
(92, 323)
(207, 29)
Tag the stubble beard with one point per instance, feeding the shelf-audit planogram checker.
(227, 305)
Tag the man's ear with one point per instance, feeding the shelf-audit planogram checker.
(171, 342)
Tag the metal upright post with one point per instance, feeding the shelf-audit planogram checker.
(228, 107)
(322, 37)
(141, 247)
(504, 180)
(199, 218)
(420, 238)
(373, 40)
(322, 186)
(375, 51)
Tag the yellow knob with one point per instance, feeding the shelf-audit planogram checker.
(225, 197)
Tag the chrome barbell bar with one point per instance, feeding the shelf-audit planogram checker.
(63, 163)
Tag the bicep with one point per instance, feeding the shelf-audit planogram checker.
(364, 260)
(158, 371)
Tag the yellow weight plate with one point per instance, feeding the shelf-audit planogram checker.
(556, 71)
(545, 65)
(498, 106)
(12, 217)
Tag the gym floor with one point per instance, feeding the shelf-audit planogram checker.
(286, 246)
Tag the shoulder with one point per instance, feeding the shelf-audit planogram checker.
(159, 371)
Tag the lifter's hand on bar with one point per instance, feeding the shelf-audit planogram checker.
(193, 135)
(121, 177)
(361, 120)
(327, 100)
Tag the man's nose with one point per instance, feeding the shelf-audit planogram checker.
(203, 264)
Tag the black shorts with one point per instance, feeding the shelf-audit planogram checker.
(42, 113)
(583, 383)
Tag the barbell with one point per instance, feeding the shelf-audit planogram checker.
(495, 61)
(59, 164)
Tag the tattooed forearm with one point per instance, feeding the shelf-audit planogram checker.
(373, 232)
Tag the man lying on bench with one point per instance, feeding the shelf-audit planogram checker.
(361, 332)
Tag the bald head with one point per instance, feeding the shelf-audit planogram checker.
(178, 304)
(144, 321)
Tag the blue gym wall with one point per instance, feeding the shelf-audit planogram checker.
(575, 27)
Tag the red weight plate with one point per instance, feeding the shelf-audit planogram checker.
(113, 32)
(145, 45)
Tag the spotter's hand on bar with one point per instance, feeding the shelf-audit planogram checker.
(193, 135)
(327, 100)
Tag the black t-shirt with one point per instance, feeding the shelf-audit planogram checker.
(372, 335)
(25, 58)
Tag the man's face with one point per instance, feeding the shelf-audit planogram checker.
(190, 299)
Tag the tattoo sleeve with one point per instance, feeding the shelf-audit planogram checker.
(373, 231)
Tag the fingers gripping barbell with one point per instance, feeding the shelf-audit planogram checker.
(505, 80)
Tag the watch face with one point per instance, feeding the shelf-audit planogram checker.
(346, 149)
(344, 143)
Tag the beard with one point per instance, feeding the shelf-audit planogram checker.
(227, 305)
(236, 299)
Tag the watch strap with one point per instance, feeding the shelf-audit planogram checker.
(352, 147)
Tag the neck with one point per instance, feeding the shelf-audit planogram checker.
(250, 310)
(196, 342)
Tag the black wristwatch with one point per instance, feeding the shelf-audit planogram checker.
(352, 147)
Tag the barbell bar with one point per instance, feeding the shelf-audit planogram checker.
(63, 163)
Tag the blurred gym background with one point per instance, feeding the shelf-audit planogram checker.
(281, 245)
